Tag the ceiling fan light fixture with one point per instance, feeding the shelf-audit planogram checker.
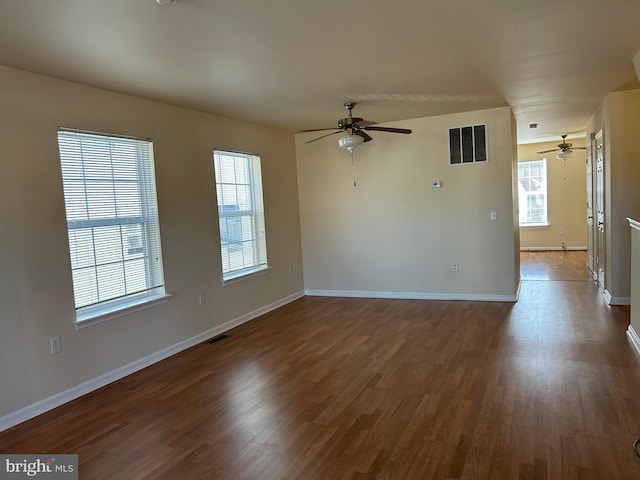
(564, 156)
(350, 142)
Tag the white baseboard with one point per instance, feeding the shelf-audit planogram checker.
(634, 338)
(478, 297)
(544, 249)
(61, 398)
(620, 301)
(615, 300)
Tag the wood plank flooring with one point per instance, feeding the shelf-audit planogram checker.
(333, 388)
(567, 265)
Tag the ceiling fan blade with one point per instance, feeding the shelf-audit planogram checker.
(367, 138)
(364, 123)
(578, 148)
(549, 151)
(328, 134)
(319, 129)
(388, 129)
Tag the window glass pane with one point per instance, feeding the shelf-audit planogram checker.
(227, 169)
(108, 244)
(247, 228)
(100, 199)
(127, 199)
(243, 197)
(88, 294)
(110, 281)
(81, 248)
(135, 275)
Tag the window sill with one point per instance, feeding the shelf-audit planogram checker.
(104, 314)
(239, 276)
(535, 225)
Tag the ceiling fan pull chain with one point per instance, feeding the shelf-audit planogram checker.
(353, 166)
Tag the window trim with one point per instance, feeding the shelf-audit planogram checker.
(243, 274)
(257, 210)
(102, 313)
(154, 293)
(544, 224)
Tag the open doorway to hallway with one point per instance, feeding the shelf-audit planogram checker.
(564, 265)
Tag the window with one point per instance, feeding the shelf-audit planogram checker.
(112, 223)
(532, 192)
(468, 145)
(241, 214)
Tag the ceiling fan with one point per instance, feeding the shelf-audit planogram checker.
(565, 149)
(355, 128)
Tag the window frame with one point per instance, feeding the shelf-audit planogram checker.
(79, 152)
(256, 244)
(522, 192)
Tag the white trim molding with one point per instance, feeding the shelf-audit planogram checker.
(634, 223)
(615, 300)
(61, 398)
(634, 338)
(554, 249)
(477, 297)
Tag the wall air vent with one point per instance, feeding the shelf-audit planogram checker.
(468, 145)
(217, 339)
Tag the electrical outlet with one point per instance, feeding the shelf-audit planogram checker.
(561, 230)
(201, 298)
(454, 267)
(55, 345)
(493, 215)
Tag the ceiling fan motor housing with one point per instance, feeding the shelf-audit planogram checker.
(348, 122)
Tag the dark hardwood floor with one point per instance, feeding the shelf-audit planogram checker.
(332, 388)
(567, 265)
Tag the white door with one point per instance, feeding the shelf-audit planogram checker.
(590, 233)
(600, 218)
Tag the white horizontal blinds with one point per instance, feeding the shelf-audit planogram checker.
(240, 212)
(532, 192)
(112, 216)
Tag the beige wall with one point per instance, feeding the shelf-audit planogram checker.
(567, 197)
(36, 296)
(395, 235)
(619, 118)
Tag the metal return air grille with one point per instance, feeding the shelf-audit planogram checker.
(468, 145)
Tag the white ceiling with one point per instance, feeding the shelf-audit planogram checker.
(291, 64)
